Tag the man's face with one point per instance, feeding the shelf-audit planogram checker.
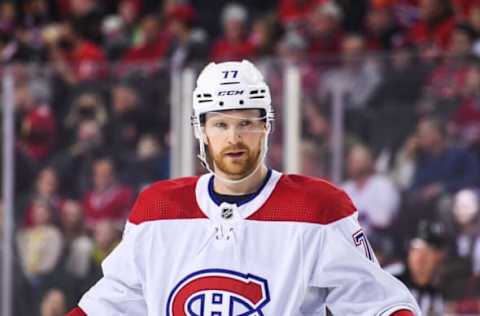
(359, 162)
(47, 182)
(423, 259)
(103, 175)
(71, 214)
(353, 48)
(234, 141)
(460, 44)
(428, 136)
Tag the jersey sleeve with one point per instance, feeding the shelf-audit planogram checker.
(344, 265)
(119, 291)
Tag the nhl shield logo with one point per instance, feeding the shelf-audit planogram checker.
(218, 292)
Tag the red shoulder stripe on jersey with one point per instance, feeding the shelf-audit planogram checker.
(303, 199)
(77, 311)
(403, 312)
(170, 199)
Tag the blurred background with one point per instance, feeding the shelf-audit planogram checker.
(381, 97)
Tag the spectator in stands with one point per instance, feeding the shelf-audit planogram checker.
(75, 59)
(40, 246)
(324, 30)
(313, 159)
(46, 190)
(265, 33)
(465, 121)
(38, 134)
(53, 303)
(474, 22)
(78, 244)
(151, 163)
(354, 83)
(463, 261)
(87, 105)
(233, 45)
(382, 33)
(106, 237)
(131, 117)
(38, 125)
(447, 79)
(8, 15)
(129, 11)
(108, 198)
(86, 17)
(438, 170)
(120, 31)
(36, 13)
(292, 13)
(25, 40)
(436, 24)
(440, 167)
(189, 43)
(394, 99)
(74, 163)
(375, 196)
(152, 47)
(422, 268)
(292, 50)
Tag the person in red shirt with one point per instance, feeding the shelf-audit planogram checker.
(436, 24)
(324, 30)
(465, 122)
(154, 44)
(447, 79)
(75, 58)
(108, 199)
(382, 31)
(233, 45)
(293, 12)
(46, 190)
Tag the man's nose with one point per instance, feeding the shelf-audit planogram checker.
(233, 134)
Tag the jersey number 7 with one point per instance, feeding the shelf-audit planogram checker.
(360, 240)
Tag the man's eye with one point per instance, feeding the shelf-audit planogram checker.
(220, 125)
(245, 123)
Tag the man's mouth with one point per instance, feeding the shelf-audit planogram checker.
(235, 154)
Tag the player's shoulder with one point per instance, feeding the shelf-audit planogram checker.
(167, 199)
(170, 185)
(305, 199)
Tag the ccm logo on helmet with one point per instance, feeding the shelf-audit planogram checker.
(230, 92)
(218, 292)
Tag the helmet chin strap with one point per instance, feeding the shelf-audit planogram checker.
(261, 158)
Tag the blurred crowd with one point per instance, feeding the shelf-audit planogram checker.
(93, 82)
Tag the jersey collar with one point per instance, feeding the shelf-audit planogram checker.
(211, 209)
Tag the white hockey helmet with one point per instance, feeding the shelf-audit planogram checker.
(230, 86)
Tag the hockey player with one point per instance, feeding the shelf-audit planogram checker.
(242, 239)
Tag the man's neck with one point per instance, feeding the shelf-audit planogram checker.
(247, 186)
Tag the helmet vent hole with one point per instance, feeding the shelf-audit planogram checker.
(220, 103)
(241, 101)
(262, 91)
(199, 95)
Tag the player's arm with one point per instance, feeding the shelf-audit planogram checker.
(343, 264)
(119, 291)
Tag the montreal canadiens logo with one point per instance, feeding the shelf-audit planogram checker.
(218, 292)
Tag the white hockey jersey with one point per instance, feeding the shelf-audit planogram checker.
(292, 250)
